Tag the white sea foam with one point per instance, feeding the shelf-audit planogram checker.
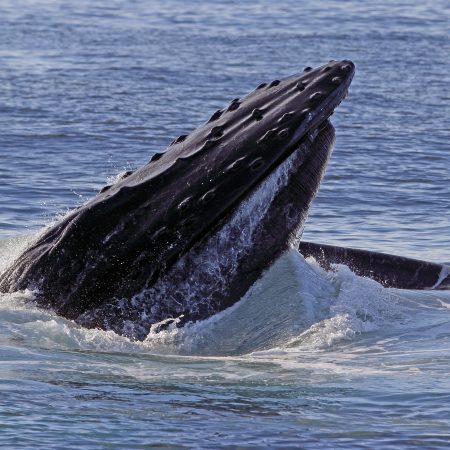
(11, 248)
(295, 307)
(288, 299)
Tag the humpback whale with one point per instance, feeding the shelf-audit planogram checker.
(187, 234)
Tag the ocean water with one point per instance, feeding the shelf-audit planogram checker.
(307, 359)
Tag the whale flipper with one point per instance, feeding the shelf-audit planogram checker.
(389, 270)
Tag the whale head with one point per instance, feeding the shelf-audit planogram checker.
(134, 232)
(183, 192)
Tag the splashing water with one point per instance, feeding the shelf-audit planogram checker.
(295, 305)
(300, 340)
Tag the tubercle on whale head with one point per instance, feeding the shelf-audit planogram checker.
(267, 123)
(255, 133)
(281, 101)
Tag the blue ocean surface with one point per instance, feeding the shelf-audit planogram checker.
(307, 359)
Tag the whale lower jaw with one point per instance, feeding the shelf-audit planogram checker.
(219, 269)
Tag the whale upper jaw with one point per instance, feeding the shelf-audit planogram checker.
(133, 232)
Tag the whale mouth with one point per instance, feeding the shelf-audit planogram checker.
(231, 250)
(149, 219)
(300, 147)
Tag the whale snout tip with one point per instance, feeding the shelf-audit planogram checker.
(329, 76)
(343, 69)
(337, 70)
(349, 63)
(348, 66)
